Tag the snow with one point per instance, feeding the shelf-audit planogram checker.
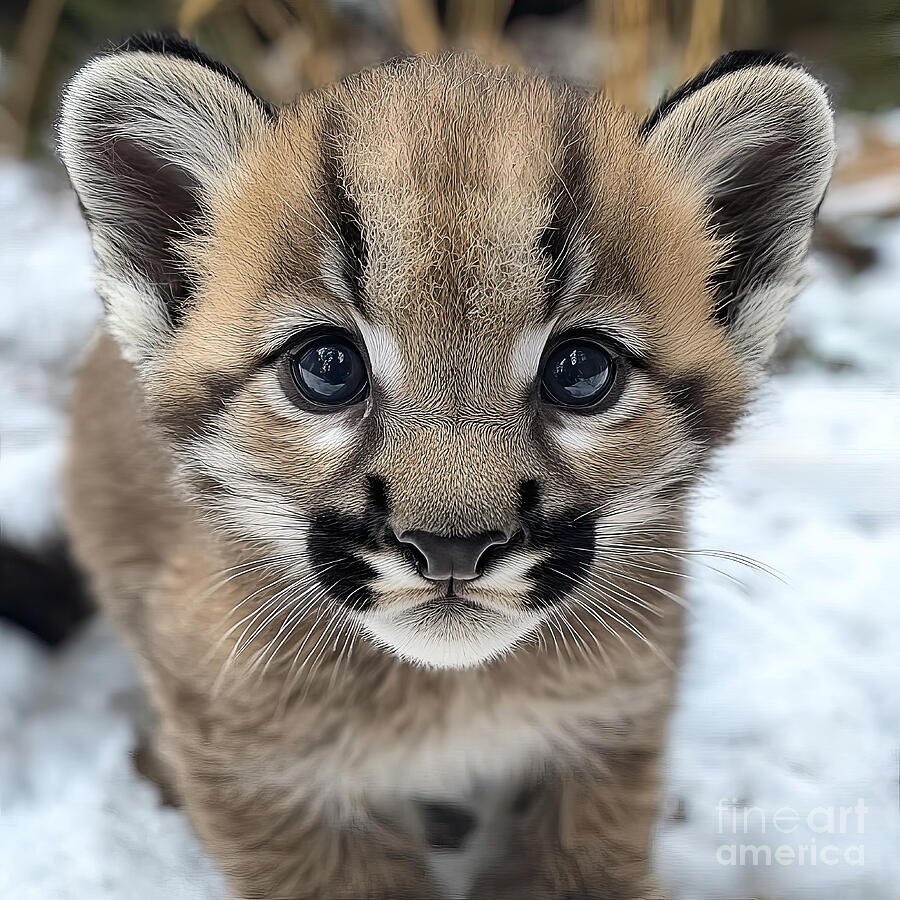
(47, 310)
(788, 701)
(76, 821)
(788, 695)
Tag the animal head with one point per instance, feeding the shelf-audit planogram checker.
(443, 338)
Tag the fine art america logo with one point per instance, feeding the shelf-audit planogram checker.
(822, 836)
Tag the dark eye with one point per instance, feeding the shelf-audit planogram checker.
(577, 373)
(329, 371)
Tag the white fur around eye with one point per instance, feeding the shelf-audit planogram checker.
(576, 436)
(329, 431)
(335, 438)
(630, 332)
(529, 349)
(584, 432)
(526, 355)
(385, 357)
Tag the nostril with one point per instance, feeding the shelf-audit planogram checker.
(440, 557)
(482, 544)
(418, 556)
(505, 542)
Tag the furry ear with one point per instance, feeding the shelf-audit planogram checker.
(755, 134)
(147, 134)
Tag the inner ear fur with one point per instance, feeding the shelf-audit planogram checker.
(147, 134)
(754, 133)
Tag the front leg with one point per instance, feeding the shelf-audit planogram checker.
(268, 849)
(608, 811)
(270, 844)
(584, 833)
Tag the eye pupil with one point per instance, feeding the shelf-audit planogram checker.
(577, 373)
(330, 371)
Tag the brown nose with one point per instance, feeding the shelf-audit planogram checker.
(440, 557)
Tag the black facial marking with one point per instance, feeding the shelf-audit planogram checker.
(170, 44)
(529, 497)
(724, 65)
(192, 418)
(378, 495)
(572, 236)
(568, 188)
(446, 825)
(336, 539)
(333, 545)
(569, 538)
(709, 418)
(343, 210)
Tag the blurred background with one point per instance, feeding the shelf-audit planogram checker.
(788, 696)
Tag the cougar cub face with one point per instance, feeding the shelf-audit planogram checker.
(442, 340)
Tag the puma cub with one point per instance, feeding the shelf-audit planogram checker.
(381, 457)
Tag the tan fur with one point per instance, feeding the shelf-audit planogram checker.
(298, 743)
(245, 761)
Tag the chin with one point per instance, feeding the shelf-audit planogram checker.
(450, 634)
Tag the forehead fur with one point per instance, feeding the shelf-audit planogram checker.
(473, 192)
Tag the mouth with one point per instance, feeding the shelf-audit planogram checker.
(449, 631)
(449, 611)
(449, 604)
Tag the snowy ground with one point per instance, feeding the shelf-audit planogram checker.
(789, 706)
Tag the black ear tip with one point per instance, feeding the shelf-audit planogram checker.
(165, 42)
(170, 43)
(733, 61)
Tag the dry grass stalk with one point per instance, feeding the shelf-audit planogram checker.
(478, 25)
(418, 25)
(704, 38)
(625, 27)
(270, 17)
(28, 59)
(192, 12)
